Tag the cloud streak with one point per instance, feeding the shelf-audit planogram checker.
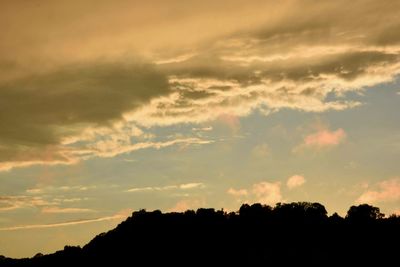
(62, 224)
(9, 203)
(44, 203)
(65, 210)
(187, 186)
(105, 149)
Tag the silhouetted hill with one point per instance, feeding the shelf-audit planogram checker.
(295, 234)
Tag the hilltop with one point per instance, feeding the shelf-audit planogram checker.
(257, 235)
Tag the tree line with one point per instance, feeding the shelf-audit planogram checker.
(256, 235)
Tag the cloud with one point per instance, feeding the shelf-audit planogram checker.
(191, 186)
(295, 181)
(260, 151)
(292, 60)
(240, 195)
(267, 192)
(203, 129)
(105, 149)
(187, 186)
(59, 189)
(9, 203)
(40, 112)
(143, 189)
(76, 112)
(237, 192)
(384, 191)
(44, 204)
(187, 204)
(63, 224)
(111, 149)
(70, 200)
(263, 192)
(9, 165)
(65, 210)
(323, 138)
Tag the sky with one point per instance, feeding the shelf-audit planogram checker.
(107, 107)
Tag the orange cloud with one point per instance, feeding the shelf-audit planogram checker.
(240, 195)
(187, 204)
(237, 192)
(385, 191)
(295, 181)
(325, 138)
(268, 193)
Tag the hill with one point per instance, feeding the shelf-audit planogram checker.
(257, 235)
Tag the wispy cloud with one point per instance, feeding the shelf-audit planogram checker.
(384, 191)
(187, 186)
(8, 203)
(59, 189)
(203, 129)
(180, 58)
(191, 185)
(111, 149)
(65, 210)
(104, 148)
(70, 200)
(62, 224)
(44, 204)
(9, 165)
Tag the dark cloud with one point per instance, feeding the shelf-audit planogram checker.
(38, 111)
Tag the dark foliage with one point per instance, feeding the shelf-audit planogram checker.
(294, 234)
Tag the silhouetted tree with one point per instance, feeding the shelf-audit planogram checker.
(289, 234)
(336, 219)
(363, 214)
